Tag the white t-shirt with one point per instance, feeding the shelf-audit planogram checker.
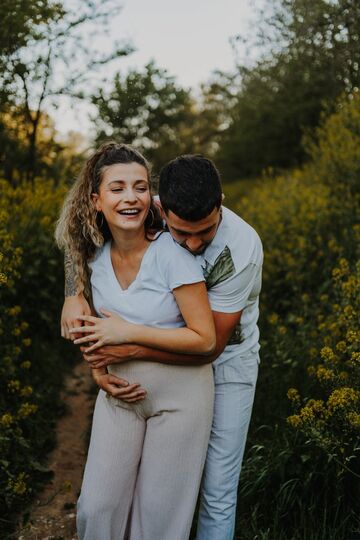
(232, 266)
(149, 299)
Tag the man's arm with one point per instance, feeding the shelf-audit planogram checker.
(225, 324)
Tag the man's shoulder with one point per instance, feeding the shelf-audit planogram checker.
(234, 222)
(239, 236)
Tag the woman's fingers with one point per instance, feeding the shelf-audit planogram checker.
(83, 329)
(93, 338)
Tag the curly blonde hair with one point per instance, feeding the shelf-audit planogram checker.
(80, 228)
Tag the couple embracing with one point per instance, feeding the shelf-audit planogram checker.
(172, 339)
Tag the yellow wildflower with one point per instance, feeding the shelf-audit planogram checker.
(324, 374)
(307, 413)
(293, 395)
(6, 420)
(343, 397)
(351, 336)
(273, 318)
(26, 364)
(18, 486)
(327, 354)
(341, 346)
(13, 386)
(354, 419)
(294, 420)
(26, 409)
(311, 371)
(26, 391)
(15, 310)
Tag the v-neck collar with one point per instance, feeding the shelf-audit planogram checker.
(112, 270)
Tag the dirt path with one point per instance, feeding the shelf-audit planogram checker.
(52, 517)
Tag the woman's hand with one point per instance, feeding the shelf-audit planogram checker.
(74, 307)
(113, 330)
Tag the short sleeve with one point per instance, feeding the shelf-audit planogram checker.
(243, 287)
(233, 294)
(178, 266)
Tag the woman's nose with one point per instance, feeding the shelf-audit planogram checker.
(130, 195)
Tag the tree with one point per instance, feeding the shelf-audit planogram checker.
(21, 21)
(143, 108)
(310, 54)
(148, 109)
(57, 61)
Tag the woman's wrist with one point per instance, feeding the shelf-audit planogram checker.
(130, 333)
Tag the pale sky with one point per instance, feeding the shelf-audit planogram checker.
(189, 38)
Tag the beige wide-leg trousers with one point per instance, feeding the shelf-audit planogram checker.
(145, 460)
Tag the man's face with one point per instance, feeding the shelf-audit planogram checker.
(194, 236)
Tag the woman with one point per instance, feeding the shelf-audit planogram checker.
(145, 458)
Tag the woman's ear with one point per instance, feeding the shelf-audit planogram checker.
(222, 197)
(95, 199)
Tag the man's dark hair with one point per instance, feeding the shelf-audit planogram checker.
(190, 187)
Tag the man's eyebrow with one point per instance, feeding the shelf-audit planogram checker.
(179, 231)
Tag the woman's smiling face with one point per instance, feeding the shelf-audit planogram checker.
(124, 196)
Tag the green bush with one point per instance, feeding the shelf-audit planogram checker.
(300, 476)
(32, 358)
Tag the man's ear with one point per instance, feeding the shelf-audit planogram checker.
(222, 197)
(161, 210)
(95, 199)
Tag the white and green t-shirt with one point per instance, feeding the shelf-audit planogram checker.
(232, 266)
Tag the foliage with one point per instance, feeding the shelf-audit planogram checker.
(148, 109)
(21, 21)
(309, 55)
(54, 63)
(304, 471)
(32, 361)
(332, 420)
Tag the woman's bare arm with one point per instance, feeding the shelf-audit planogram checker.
(197, 337)
(75, 303)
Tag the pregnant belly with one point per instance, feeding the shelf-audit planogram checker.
(162, 381)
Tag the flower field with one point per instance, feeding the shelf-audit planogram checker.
(301, 473)
(33, 360)
(302, 470)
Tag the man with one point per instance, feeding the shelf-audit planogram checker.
(230, 254)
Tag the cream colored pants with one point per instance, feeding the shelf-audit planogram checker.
(145, 460)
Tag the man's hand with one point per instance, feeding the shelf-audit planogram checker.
(119, 388)
(74, 307)
(109, 354)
